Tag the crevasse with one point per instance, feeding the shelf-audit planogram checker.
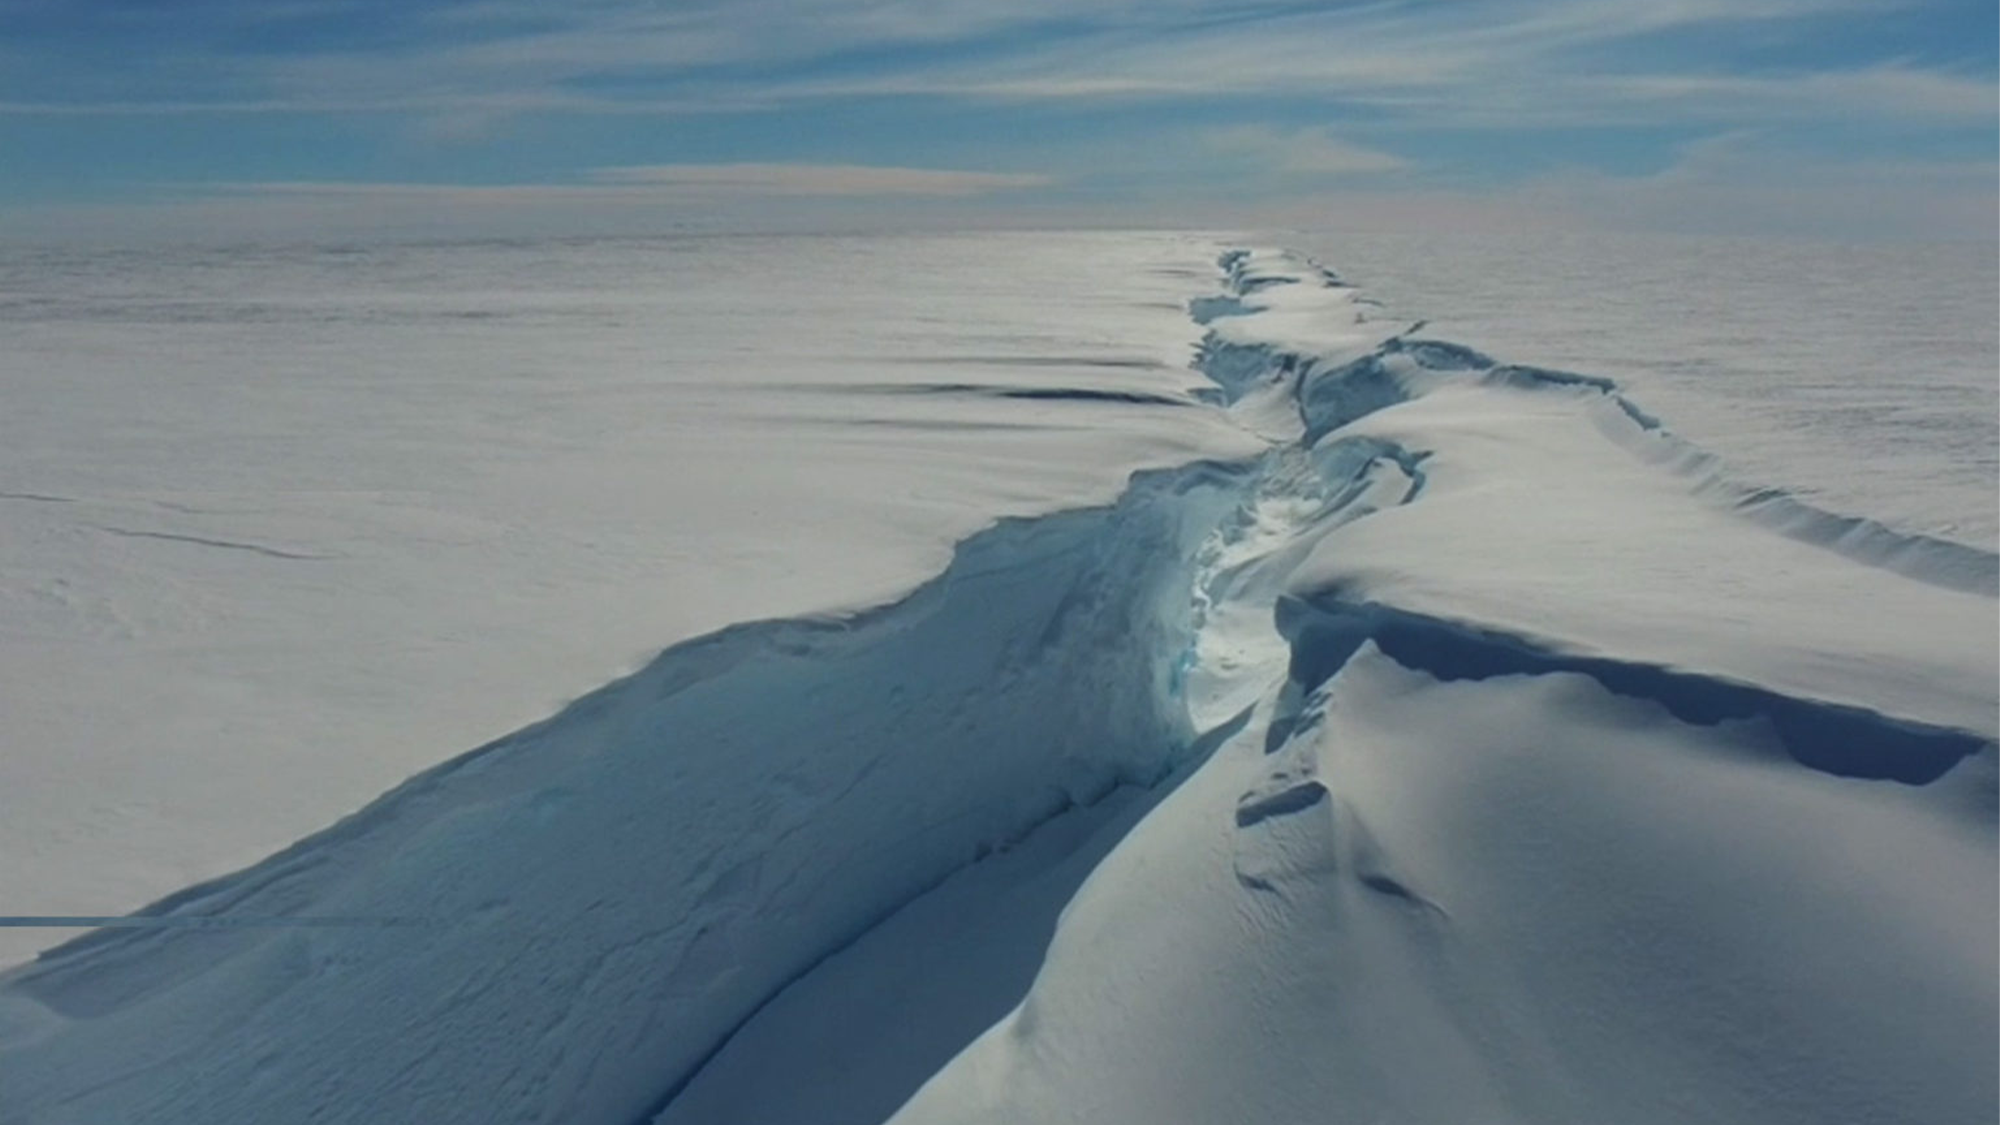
(784, 836)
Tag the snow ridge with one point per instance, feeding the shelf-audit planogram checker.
(1525, 826)
(1332, 386)
(1843, 741)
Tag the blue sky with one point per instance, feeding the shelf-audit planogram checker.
(1861, 117)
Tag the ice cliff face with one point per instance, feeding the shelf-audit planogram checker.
(1479, 751)
(644, 870)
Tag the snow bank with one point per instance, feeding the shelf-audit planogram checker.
(1586, 791)
(1524, 899)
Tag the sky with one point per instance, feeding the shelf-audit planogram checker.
(1849, 118)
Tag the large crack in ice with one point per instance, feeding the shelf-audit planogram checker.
(617, 900)
(608, 895)
(1248, 640)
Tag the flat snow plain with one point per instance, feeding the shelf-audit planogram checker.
(280, 528)
(1417, 737)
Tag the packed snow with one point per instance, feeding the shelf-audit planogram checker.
(279, 528)
(1586, 794)
(1858, 377)
(1416, 737)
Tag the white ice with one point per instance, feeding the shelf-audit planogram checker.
(1417, 738)
(279, 528)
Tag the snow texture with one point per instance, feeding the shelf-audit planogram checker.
(1465, 746)
(287, 526)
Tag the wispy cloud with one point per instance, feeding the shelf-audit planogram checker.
(654, 183)
(1895, 90)
(1302, 152)
(918, 99)
(1746, 182)
(612, 55)
(622, 199)
(818, 179)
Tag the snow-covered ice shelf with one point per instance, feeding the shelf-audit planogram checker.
(280, 528)
(1437, 740)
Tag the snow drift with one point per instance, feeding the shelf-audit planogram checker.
(1479, 751)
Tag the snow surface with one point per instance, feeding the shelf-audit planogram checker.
(1859, 377)
(1432, 740)
(1588, 793)
(279, 528)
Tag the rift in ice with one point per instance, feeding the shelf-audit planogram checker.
(1469, 747)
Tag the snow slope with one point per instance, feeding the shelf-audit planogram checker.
(1789, 357)
(1589, 793)
(1461, 745)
